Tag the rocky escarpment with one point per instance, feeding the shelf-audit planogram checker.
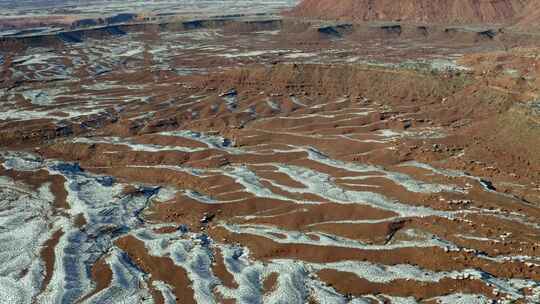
(415, 11)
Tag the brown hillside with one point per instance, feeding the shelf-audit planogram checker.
(416, 11)
(530, 18)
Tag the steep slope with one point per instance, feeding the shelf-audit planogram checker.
(530, 18)
(417, 11)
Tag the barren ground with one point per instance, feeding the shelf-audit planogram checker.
(267, 159)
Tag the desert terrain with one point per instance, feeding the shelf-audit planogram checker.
(270, 152)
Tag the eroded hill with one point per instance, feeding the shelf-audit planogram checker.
(415, 11)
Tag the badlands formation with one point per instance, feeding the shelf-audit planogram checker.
(418, 11)
(333, 152)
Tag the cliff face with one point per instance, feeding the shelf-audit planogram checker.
(416, 11)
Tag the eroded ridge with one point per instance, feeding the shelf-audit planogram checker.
(272, 224)
(263, 161)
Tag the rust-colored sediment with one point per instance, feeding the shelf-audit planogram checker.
(101, 275)
(220, 270)
(48, 257)
(270, 282)
(37, 179)
(160, 268)
(347, 283)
